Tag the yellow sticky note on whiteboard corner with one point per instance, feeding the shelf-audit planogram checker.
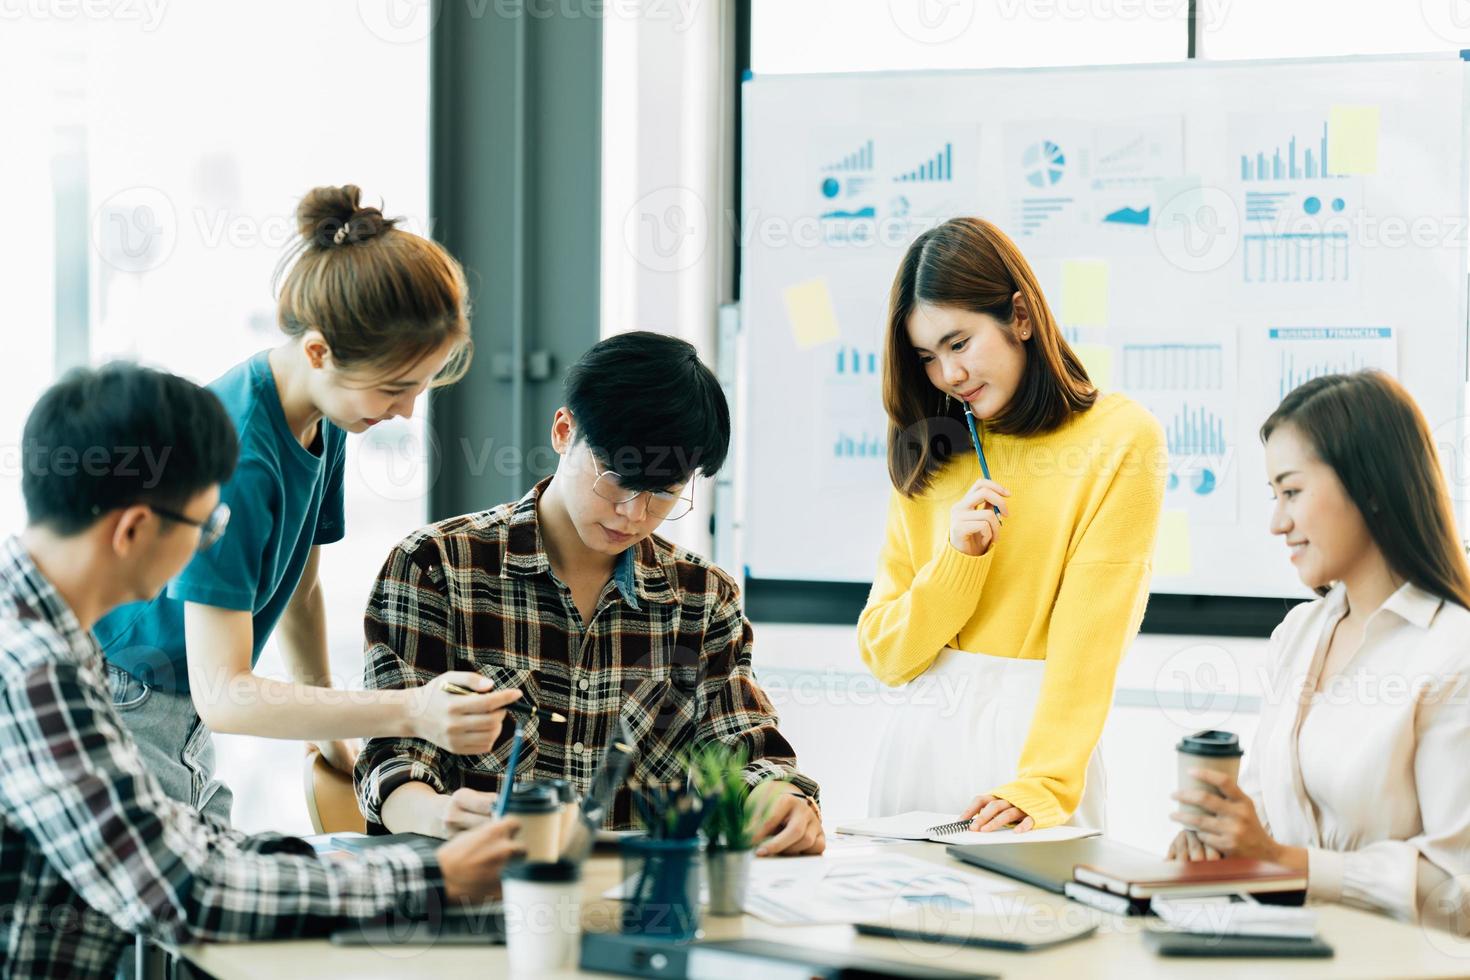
(1352, 139)
(1098, 359)
(1085, 293)
(1172, 554)
(810, 311)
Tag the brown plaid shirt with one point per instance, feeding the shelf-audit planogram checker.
(668, 648)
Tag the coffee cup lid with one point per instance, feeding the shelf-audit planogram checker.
(550, 872)
(532, 799)
(1211, 743)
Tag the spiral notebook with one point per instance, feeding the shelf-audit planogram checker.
(944, 828)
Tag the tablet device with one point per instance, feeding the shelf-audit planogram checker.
(1046, 864)
(988, 934)
(1191, 944)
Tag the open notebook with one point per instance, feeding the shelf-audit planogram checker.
(944, 828)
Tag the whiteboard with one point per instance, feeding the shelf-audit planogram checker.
(1189, 236)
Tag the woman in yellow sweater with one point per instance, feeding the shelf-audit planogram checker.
(1014, 596)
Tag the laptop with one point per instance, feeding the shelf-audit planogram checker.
(1047, 864)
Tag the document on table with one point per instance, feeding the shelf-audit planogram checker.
(944, 828)
(807, 891)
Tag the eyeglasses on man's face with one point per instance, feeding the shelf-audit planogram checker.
(211, 529)
(663, 505)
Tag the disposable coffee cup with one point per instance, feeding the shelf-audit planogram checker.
(569, 810)
(1217, 751)
(539, 813)
(543, 916)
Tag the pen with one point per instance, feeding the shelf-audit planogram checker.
(503, 800)
(515, 707)
(980, 453)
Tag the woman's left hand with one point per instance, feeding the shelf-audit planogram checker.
(1230, 824)
(987, 813)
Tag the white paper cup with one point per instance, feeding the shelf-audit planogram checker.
(543, 916)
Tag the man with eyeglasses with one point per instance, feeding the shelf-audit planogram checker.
(569, 597)
(91, 846)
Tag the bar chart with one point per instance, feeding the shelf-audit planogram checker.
(1304, 353)
(1281, 162)
(859, 159)
(852, 361)
(862, 445)
(1307, 256)
(1037, 212)
(939, 167)
(1195, 431)
(1164, 367)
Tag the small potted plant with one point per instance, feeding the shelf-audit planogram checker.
(717, 771)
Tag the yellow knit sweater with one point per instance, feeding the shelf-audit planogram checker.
(1066, 582)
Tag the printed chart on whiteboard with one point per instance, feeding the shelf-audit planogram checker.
(1207, 236)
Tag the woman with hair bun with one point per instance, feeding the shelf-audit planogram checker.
(373, 315)
(1014, 591)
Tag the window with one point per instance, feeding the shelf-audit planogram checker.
(889, 35)
(171, 143)
(1318, 28)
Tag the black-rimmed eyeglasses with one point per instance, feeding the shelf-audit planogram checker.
(211, 529)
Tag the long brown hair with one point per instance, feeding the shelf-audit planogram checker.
(970, 264)
(1368, 429)
(382, 297)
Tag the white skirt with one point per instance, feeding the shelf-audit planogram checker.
(960, 733)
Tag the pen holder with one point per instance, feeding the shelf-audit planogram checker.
(661, 886)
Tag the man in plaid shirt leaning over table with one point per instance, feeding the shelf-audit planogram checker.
(121, 478)
(569, 597)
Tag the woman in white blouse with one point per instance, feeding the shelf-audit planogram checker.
(1360, 771)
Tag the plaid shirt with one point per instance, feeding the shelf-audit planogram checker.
(668, 648)
(90, 847)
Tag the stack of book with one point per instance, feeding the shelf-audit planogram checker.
(1127, 885)
(1123, 880)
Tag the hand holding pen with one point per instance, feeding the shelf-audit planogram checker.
(973, 530)
(464, 725)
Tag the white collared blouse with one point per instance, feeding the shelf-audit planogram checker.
(1372, 774)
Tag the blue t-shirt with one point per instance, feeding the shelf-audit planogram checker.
(283, 499)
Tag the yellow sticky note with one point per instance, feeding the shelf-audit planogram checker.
(1085, 293)
(1352, 139)
(1098, 359)
(809, 308)
(1172, 554)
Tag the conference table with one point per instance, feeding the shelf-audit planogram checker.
(1366, 944)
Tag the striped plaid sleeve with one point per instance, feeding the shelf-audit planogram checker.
(739, 711)
(70, 776)
(277, 887)
(406, 633)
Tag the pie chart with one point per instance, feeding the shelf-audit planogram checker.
(1044, 163)
(1204, 482)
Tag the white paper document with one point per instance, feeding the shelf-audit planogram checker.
(942, 827)
(870, 889)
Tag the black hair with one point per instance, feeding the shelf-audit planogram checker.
(650, 409)
(100, 439)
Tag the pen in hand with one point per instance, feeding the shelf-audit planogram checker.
(507, 785)
(515, 708)
(980, 454)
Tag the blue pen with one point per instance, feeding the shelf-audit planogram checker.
(510, 774)
(980, 454)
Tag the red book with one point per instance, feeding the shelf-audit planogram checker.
(1175, 879)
